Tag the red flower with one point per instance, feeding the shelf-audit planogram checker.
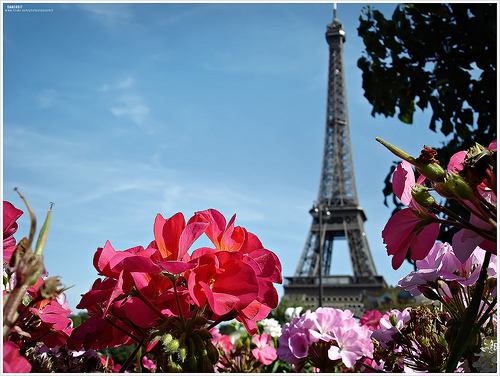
(234, 278)
(97, 333)
(224, 280)
(264, 263)
(173, 238)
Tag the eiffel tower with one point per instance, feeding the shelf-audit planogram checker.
(336, 213)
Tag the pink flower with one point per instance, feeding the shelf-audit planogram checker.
(348, 347)
(264, 353)
(294, 341)
(371, 319)
(403, 179)
(405, 231)
(148, 363)
(412, 228)
(10, 215)
(386, 331)
(465, 240)
(442, 263)
(221, 340)
(348, 341)
(13, 361)
(428, 269)
(325, 319)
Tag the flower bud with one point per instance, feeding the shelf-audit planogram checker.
(172, 346)
(50, 287)
(431, 171)
(204, 334)
(425, 164)
(458, 186)
(393, 320)
(428, 292)
(183, 352)
(443, 190)
(422, 196)
(213, 353)
(200, 320)
(167, 339)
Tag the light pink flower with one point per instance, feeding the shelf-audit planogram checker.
(325, 319)
(294, 340)
(386, 331)
(264, 353)
(348, 347)
(221, 340)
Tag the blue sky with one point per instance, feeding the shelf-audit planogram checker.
(117, 112)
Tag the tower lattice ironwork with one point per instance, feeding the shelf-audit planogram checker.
(336, 212)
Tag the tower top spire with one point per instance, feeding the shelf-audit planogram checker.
(334, 29)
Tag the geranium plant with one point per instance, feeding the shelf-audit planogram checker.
(461, 276)
(166, 300)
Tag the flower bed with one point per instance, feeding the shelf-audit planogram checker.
(170, 303)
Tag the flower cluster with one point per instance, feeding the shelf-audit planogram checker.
(412, 340)
(470, 179)
(440, 275)
(329, 339)
(460, 277)
(36, 323)
(245, 353)
(165, 299)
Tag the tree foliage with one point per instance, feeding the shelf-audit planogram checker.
(441, 56)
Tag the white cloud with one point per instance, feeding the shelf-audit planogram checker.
(110, 15)
(133, 108)
(124, 83)
(46, 98)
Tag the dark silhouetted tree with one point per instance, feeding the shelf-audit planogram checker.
(437, 56)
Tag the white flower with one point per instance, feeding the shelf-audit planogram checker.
(292, 312)
(487, 361)
(271, 327)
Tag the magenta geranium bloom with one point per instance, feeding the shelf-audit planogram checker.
(410, 229)
(13, 361)
(406, 231)
(10, 215)
(371, 319)
(144, 288)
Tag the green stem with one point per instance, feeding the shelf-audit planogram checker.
(183, 322)
(44, 232)
(467, 328)
(130, 359)
(32, 218)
